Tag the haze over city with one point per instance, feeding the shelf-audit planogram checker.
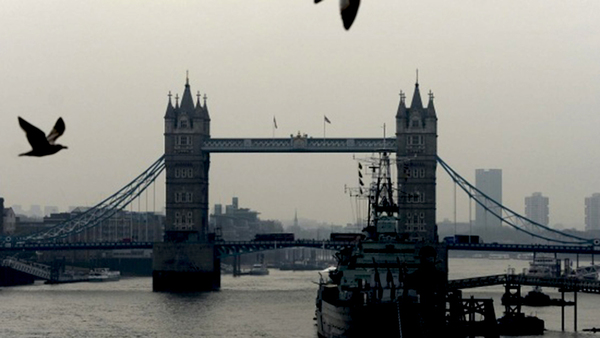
(515, 88)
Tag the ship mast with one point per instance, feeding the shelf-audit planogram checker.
(381, 193)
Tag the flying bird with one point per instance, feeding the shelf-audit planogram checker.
(42, 145)
(348, 9)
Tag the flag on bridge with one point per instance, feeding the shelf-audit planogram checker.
(274, 122)
(326, 119)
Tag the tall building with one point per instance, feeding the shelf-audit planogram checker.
(416, 135)
(537, 208)
(240, 224)
(489, 182)
(592, 212)
(187, 126)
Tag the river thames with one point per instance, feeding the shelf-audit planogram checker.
(281, 304)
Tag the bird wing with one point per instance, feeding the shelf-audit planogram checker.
(59, 129)
(348, 9)
(35, 136)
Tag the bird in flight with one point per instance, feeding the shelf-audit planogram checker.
(42, 145)
(348, 9)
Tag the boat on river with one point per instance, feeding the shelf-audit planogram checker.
(103, 275)
(544, 266)
(259, 269)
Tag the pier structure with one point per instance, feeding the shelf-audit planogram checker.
(513, 283)
(25, 271)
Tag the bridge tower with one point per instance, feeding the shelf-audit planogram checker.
(186, 261)
(416, 135)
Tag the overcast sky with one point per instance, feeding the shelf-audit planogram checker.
(516, 87)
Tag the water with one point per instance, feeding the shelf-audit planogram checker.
(278, 305)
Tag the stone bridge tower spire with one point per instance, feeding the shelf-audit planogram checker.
(186, 260)
(187, 169)
(416, 139)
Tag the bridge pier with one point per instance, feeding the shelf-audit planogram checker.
(237, 266)
(11, 277)
(562, 311)
(185, 267)
(575, 311)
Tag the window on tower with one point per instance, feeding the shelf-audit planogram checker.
(415, 143)
(184, 140)
(183, 143)
(184, 197)
(415, 139)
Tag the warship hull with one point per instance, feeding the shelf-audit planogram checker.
(390, 281)
(338, 321)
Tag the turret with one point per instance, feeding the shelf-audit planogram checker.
(206, 118)
(170, 117)
(187, 102)
(416, 103)
(430, 107)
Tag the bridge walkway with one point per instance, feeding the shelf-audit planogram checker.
(562, 283)
(43, 271)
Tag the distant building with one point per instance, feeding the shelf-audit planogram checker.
(240, 224)
(18, 209)
(592, 212)
(489, 182)
(7, 219)
(50, 209)
(122, 226)
(537, 208)
(36, 211)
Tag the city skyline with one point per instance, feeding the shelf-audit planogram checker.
(514, 90)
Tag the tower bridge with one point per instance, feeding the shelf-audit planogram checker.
(189, 257)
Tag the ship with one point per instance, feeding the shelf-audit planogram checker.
(259, 269)
(544, 266)
(386, 283)
(103, 275)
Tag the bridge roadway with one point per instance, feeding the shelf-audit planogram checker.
(234, 248)
(563, 283)
(299, 143)
(224, 248)
(577, 249)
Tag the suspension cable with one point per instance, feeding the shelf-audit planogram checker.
(468, 188)
(103, 210)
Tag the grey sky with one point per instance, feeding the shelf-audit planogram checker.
(516, 87)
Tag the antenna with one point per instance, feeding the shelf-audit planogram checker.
(384, 136)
